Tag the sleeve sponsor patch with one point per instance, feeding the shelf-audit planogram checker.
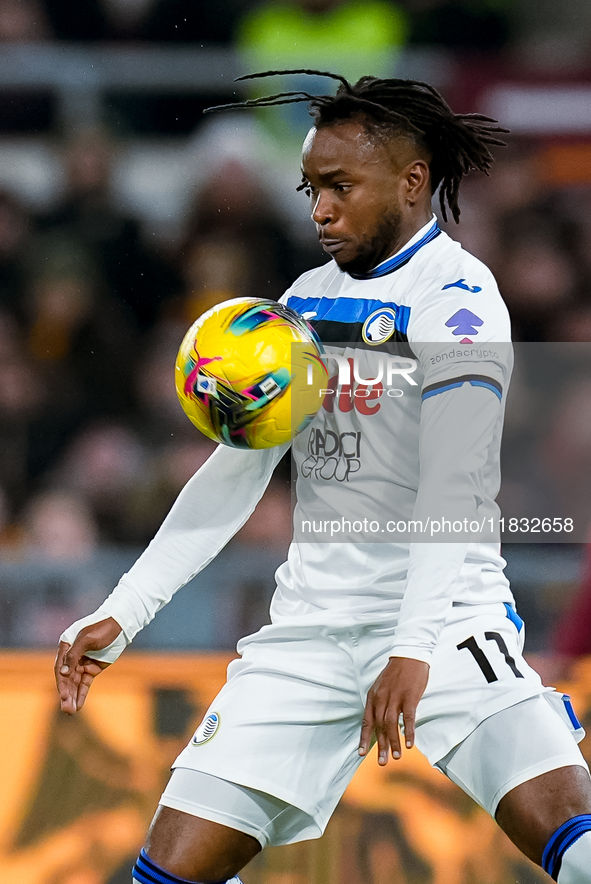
(465, 323)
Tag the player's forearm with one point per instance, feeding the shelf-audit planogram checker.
(433, 570)
(457, 429)
(212, 506)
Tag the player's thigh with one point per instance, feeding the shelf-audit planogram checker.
(524, 767)
(532, 812)
(197, 849)
(287, 721)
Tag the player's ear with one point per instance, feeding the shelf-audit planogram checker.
(416, 177)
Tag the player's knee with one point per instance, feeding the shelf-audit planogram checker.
(145, 871)
(567, 855)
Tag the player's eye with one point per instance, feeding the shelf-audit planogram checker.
(305, 186)
(342, 188)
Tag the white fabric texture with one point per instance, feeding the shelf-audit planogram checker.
(268, 819)
(294, 702)
(212, 506)
(485, 775)
(576, 862)
(511, 747)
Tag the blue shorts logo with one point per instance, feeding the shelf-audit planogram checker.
(379, 326)
(207, 729)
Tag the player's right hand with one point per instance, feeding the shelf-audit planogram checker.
(74, 671)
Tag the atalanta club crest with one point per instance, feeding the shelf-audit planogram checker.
(379, 326)
(207, 729)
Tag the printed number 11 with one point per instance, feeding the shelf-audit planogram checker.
(472, 645)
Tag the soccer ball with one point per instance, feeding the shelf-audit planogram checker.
(249, 373)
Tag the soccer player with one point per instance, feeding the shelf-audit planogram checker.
(366, 635)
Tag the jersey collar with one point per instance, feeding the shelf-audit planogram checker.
(420, 239)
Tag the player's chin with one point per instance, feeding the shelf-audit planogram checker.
(351, 261)
(344, 253)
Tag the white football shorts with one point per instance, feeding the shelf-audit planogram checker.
(515, 745)
(287, 722)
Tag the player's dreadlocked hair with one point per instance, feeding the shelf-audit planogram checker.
(455, 143)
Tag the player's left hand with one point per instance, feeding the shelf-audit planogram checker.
(396, 691)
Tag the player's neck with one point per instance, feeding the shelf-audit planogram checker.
(410, 227)
(408, 231)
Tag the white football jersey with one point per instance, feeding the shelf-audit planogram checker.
(388, 462)
(420, 444)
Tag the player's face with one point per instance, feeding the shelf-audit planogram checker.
(357, 189)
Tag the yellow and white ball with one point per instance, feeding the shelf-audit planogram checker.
(249, 373)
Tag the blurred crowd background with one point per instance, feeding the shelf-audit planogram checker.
(125, 213)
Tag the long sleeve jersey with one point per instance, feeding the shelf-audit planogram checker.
(406, 444)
